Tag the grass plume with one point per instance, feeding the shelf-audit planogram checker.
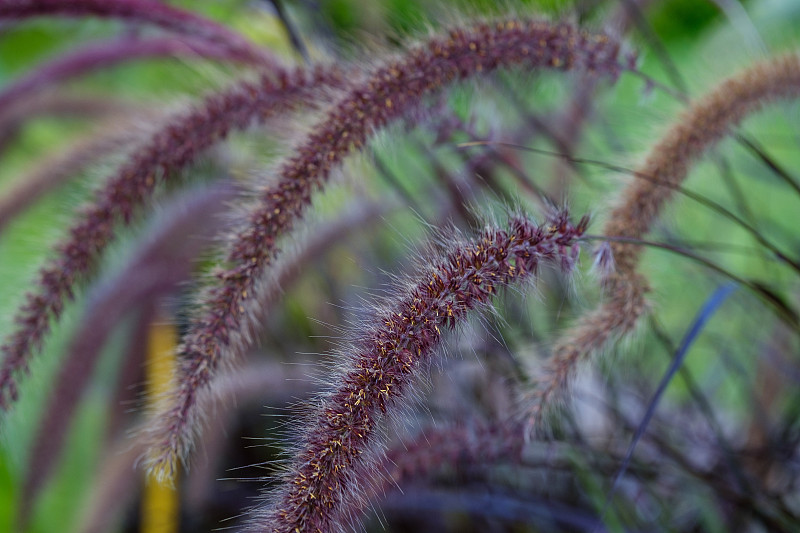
(699, 128)
(322, 483)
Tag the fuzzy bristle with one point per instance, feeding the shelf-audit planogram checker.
(386, 363)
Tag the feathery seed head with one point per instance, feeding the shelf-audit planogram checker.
(321, 487)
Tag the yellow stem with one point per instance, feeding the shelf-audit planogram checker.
(160, 503)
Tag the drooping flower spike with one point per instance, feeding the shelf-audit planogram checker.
(323, 485)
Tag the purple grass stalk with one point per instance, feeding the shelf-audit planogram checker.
(393, 91)
(114, 487)
(254, 385)
(97, 56)
(157, 266)
(147, 11)
(131, 372)
(171, 149)
(326, 480)
(58, 105)
(465, 445)
(55, 170)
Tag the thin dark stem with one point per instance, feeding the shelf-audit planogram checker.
(394, 181)
(636, 15)
(714, 206)
(752, 145)
(291, 30)
(703, 404)
(778, 519)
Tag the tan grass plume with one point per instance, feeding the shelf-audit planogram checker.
(697, 130)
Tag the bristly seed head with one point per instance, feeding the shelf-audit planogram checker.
(319, 493)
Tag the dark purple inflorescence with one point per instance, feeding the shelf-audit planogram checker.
(147, 11)
(321, 487)
(106, 54)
